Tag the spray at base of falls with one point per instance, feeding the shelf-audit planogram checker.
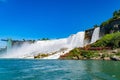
(47, 47)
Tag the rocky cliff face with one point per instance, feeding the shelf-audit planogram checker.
(88, 36)
(113, 26)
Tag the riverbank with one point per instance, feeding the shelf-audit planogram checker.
(80, 54)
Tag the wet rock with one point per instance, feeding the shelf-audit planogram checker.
(75, 58)
(115, 51)
(115, 58)
(106, 58)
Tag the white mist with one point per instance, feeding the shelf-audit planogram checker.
(47, 47)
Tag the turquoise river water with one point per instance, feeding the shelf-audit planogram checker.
(26, 69)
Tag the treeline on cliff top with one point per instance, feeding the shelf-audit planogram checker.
(116, 15)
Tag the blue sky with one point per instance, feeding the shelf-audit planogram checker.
(34, 19)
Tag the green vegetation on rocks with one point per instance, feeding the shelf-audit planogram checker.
(78, 53)
(109, 40)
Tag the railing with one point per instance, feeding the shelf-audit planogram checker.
(100, 48)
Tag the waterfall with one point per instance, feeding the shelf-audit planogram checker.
(30, 50)
(76, 40)
(95, 35)
(73, 41)
(47, 47)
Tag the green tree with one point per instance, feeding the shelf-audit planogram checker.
(115, 13)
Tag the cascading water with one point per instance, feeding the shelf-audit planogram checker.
(47, 47)
(95, 35)
(76, 40)
(29, 50)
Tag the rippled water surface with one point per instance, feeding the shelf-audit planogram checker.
(21, 69)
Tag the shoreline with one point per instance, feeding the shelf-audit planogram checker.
(80, 54)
